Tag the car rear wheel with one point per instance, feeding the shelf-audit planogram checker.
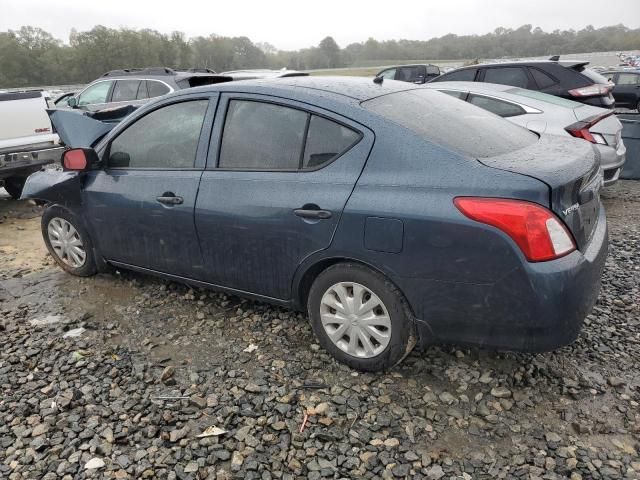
(14, 186)
(360, 317)
(68, 242)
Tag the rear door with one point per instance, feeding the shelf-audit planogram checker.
(141, 204)
(278, 176)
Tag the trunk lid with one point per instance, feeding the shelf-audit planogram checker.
(571, 170)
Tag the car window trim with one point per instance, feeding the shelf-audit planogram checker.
(527, 109)
(227, 97)
(203, 131)
(113, 83)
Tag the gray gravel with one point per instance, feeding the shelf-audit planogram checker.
(137, 394)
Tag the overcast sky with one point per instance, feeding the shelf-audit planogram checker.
(290, 24)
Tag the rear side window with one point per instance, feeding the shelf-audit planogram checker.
(262, 136)
(542, 79)
(326, 140)
(514, 76)
(165, 138)
(156, 88)
(125, 90)
(455, 93)
(493, 105)
(467, 75)
(453, 124)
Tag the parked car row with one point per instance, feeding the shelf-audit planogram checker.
(454, 225)
(27, 141)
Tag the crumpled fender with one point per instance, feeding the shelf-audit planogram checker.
(54, 186)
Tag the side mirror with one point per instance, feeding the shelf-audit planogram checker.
(72, 101)
(119, 160)
(79, 159)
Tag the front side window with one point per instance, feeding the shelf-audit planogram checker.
(262, 136)
(165, 138)
(514, 76)
(493, 105)
(388, 74)
(96, 93)
(125, 90)
(628, 79)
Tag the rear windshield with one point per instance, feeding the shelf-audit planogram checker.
(545, 97)
(594, 76)
(451, 123)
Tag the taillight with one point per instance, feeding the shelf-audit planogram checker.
(591, 90)
(581, 129)
(536, 230)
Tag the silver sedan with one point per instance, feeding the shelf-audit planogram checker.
(548, 114)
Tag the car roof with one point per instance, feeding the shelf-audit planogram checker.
(564, 63)
(344, 89)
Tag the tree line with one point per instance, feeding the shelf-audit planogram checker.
(31, 56)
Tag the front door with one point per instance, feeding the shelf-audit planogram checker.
(141, 204)
(627, 89)
(283, 175)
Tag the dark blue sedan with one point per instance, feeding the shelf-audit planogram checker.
(392, 213)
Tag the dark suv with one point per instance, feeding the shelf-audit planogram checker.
(567, 79)
(410, 73)
(627, 87)
(136, 86)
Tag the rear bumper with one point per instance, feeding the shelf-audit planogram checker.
(612, 160)
(537, 307)
(24, 163)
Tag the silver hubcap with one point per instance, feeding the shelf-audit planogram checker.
(66, 243)
(355, 319)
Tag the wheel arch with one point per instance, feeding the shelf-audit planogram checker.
(306, 275)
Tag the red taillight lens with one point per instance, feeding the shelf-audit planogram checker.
(591, 90)
(536, 230)
(581, 129)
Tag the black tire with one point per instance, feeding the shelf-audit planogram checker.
(88, 268)
(402, 328)
(14, 186)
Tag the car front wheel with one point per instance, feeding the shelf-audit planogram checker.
(360, 317)
(14, 186)
(68, 242)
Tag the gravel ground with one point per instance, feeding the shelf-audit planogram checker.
(127, 376)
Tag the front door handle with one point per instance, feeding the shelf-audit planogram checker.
(170, 198)
(313, 214)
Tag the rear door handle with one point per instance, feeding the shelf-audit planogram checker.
(312, 213)
(169, 198)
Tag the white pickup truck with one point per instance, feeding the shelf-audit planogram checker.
(27, 141)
